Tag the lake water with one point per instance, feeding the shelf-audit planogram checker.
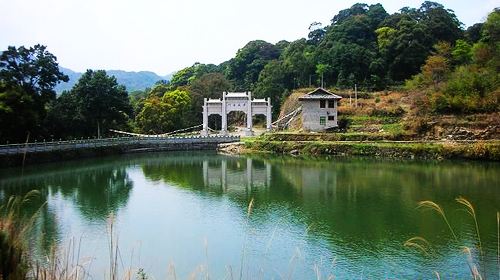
(187, 213)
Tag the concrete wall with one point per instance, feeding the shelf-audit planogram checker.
(311, 113)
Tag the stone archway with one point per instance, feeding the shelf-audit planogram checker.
(240, 102)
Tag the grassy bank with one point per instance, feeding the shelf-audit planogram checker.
(345, 145)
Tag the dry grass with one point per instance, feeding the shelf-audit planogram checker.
(14, 230)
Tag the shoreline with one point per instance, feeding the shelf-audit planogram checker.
(437, 150)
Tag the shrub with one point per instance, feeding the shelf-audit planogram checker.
(343, 123)
(468, 90)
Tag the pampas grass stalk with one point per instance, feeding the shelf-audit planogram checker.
(418, 243)
(434, 206)
(472, 213)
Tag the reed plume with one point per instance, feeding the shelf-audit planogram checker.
(434, 206)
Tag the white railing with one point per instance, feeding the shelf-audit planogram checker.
(36, 147)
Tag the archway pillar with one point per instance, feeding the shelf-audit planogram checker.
(204, 131)
(269, 115)
(249, 131)
(223, 130)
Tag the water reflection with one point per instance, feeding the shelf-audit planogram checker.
(95, 191)
(364, 209)
(360, 198)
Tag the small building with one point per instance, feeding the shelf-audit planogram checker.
(319, 110)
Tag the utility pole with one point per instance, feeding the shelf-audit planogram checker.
(356, 95)
(309, 80)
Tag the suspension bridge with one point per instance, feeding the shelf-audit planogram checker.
(182, 139)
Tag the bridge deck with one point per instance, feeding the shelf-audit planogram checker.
(121, 142)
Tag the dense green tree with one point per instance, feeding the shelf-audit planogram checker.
(159, 89)
(33, 69)
(316, 33)
(298, 64)
(65, 118)
(165, 114)
(210, 85)
(272, 83)
(137, 99)
(99, 103)
(442, 24)
(187, 75)
(244, 69)
(462, 52)
(473, 33)
(27, 79)
(417, 30)
(469, 84)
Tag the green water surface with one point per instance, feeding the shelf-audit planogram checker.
(188, 213)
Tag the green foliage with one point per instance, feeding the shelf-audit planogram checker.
(272, 83)
(435, 69)
(298, 60)
(472, 86)
(469, 89)
(473, 33)
(385, 35)
(187, 75)
(96, 104)
(245, 68)
(165, 114)
(210, 85)
(27, 79)
(462, 52)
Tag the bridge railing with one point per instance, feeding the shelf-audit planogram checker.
(34, 147)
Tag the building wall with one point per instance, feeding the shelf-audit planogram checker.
(311, 114)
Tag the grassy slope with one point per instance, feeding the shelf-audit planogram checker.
(395, 115)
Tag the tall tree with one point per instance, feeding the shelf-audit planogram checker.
(27, 80)
(165, 114)
(210, 85)
(272, 83)
(245, 68)
(103, 103)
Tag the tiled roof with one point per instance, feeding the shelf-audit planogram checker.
(319, 93)
(237, 94)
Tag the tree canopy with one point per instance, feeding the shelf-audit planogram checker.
(94, 105)
(27, 80)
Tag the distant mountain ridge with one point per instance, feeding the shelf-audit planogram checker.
(131, 80)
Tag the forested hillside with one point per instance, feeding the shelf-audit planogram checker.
(425, 52)
(131, 80)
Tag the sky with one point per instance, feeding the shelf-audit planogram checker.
(164, 36)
